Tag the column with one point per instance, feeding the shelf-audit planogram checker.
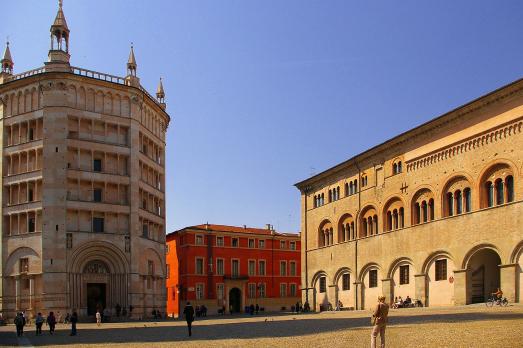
(144, 302)
(357, 295)
(508, 281)
(17, 298)
(31, 293)
(420, 292)
(387, 289)
(461, 279)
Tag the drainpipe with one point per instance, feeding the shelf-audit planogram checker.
(356, 234)
(305, 192)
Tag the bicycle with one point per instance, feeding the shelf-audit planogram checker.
(494, 300)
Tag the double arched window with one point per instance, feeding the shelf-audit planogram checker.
(397, 167)
(325, 234)
(368, 222)
(497, 186)
(346, 229)
(458, 197)
(423, 207)
(334, 194)
(394, 215)
(319, 200)
(351, 187)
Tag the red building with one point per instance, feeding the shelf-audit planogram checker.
(232, 267)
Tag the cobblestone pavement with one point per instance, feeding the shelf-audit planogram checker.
(470, 326)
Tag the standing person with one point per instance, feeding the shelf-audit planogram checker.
(74, 320)
(51, 322)
(188, 312)
(380, 317)
(98, 318)
(39, 321)
(19, 323)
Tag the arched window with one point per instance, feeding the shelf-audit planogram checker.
(370, 225)
(431, 209)
(364, 225)
(375, 220)
(401, 217)
(314, 202)
(509, 184)
(322, 199)
(399, 167)
(346, 189)
(356, 186)
(459, 202)
(468, 200)
(417, 213)
(499, 192)
(330, 196)
(395, 219)
(394, 169)
(389, 221)
(490, 193)
(425, 211)
(337, 193)
(450, 203)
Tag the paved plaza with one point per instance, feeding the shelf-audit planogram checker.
(470, 326)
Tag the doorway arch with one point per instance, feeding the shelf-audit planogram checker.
(235, 300)
(483, 274)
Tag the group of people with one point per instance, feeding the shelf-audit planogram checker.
(21, 321)
(400, 303)
(299, 308)
(201, 311)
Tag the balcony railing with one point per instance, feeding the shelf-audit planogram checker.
(236, 276)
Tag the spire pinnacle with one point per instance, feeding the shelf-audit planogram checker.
(59, 21)
(131, 63)
(160, 93)
(7, 60)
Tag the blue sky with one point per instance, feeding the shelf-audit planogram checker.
(263, 94)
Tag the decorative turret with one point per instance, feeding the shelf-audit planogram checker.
(131, 78)
(7, 61)
(160, 94)
(59, 52)
(6, 65)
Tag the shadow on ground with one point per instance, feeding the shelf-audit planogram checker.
(282, 326)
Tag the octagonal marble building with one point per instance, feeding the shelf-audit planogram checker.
(83, 182)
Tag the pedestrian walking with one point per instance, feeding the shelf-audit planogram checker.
(19, 323)
(98, 318)
(39, 321)
(380, 317)
(51, 322)
(74, 320)
(188, 312)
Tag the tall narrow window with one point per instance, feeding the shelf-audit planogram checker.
(252, 267)
(261, 267)
(389, 221)
(97, 165)
(450, 203)
(459, 202)
(219, 266)
(401, 217)
(369, 225)
(399, 167)
(499, 192)
(98, 224)
(31, 226)
(441, 270)
(395, 219)
(394, 169)
(355, 185)
(323, 284)
(425, 211)
(283, 268)
(199, 266)
(431, 209)
(346, 189)
(292, 268)
(235, 268)
(509, 184)
(468, 200)
(417, 213)
(345, 282)
(364, 227)
(375, 220)
(404, 274)
(330, 196)
(490, 193)
(373, 278)
(97, 195)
